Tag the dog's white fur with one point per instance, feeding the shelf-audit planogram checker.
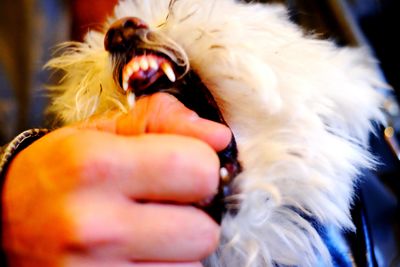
(300, 108)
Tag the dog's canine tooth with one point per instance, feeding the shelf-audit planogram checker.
(166, 67)
(131, 99)
(127, 72)
(125, 85)
(125, 78)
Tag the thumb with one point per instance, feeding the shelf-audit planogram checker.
(162, 113)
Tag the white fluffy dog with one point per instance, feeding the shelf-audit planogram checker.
(301, 110)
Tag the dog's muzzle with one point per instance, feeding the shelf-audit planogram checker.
(145, 63)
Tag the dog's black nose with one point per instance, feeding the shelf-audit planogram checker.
(123, 33)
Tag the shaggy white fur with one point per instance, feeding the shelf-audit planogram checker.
(300, 108)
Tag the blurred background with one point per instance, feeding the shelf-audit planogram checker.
(29, 30)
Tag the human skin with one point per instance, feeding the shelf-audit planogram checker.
(116, 191)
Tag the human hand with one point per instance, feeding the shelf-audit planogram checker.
(116, 191)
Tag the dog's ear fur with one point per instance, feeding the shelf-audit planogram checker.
(301, 110)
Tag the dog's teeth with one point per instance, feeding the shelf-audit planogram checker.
(135, 66)
(131, 99)
(153, 63)
(125, 78)
(144, 64)
(166, 67)
(125, 86)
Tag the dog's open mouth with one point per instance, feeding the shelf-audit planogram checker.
(140, 70)
(143, 74)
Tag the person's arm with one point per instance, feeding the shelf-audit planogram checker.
(116, 191)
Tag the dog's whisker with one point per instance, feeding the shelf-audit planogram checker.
(216, 46)
(170, 9)
(187, 16)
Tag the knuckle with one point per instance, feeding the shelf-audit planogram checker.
(93, 227)
(206, 169)
(197, 162)
(158, 98)
(78, 156)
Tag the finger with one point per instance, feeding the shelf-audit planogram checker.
(163, 113)
(180, 169)
(142, 233)
(185, 234)
(147, 167)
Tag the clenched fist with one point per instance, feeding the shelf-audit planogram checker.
(116, 191)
